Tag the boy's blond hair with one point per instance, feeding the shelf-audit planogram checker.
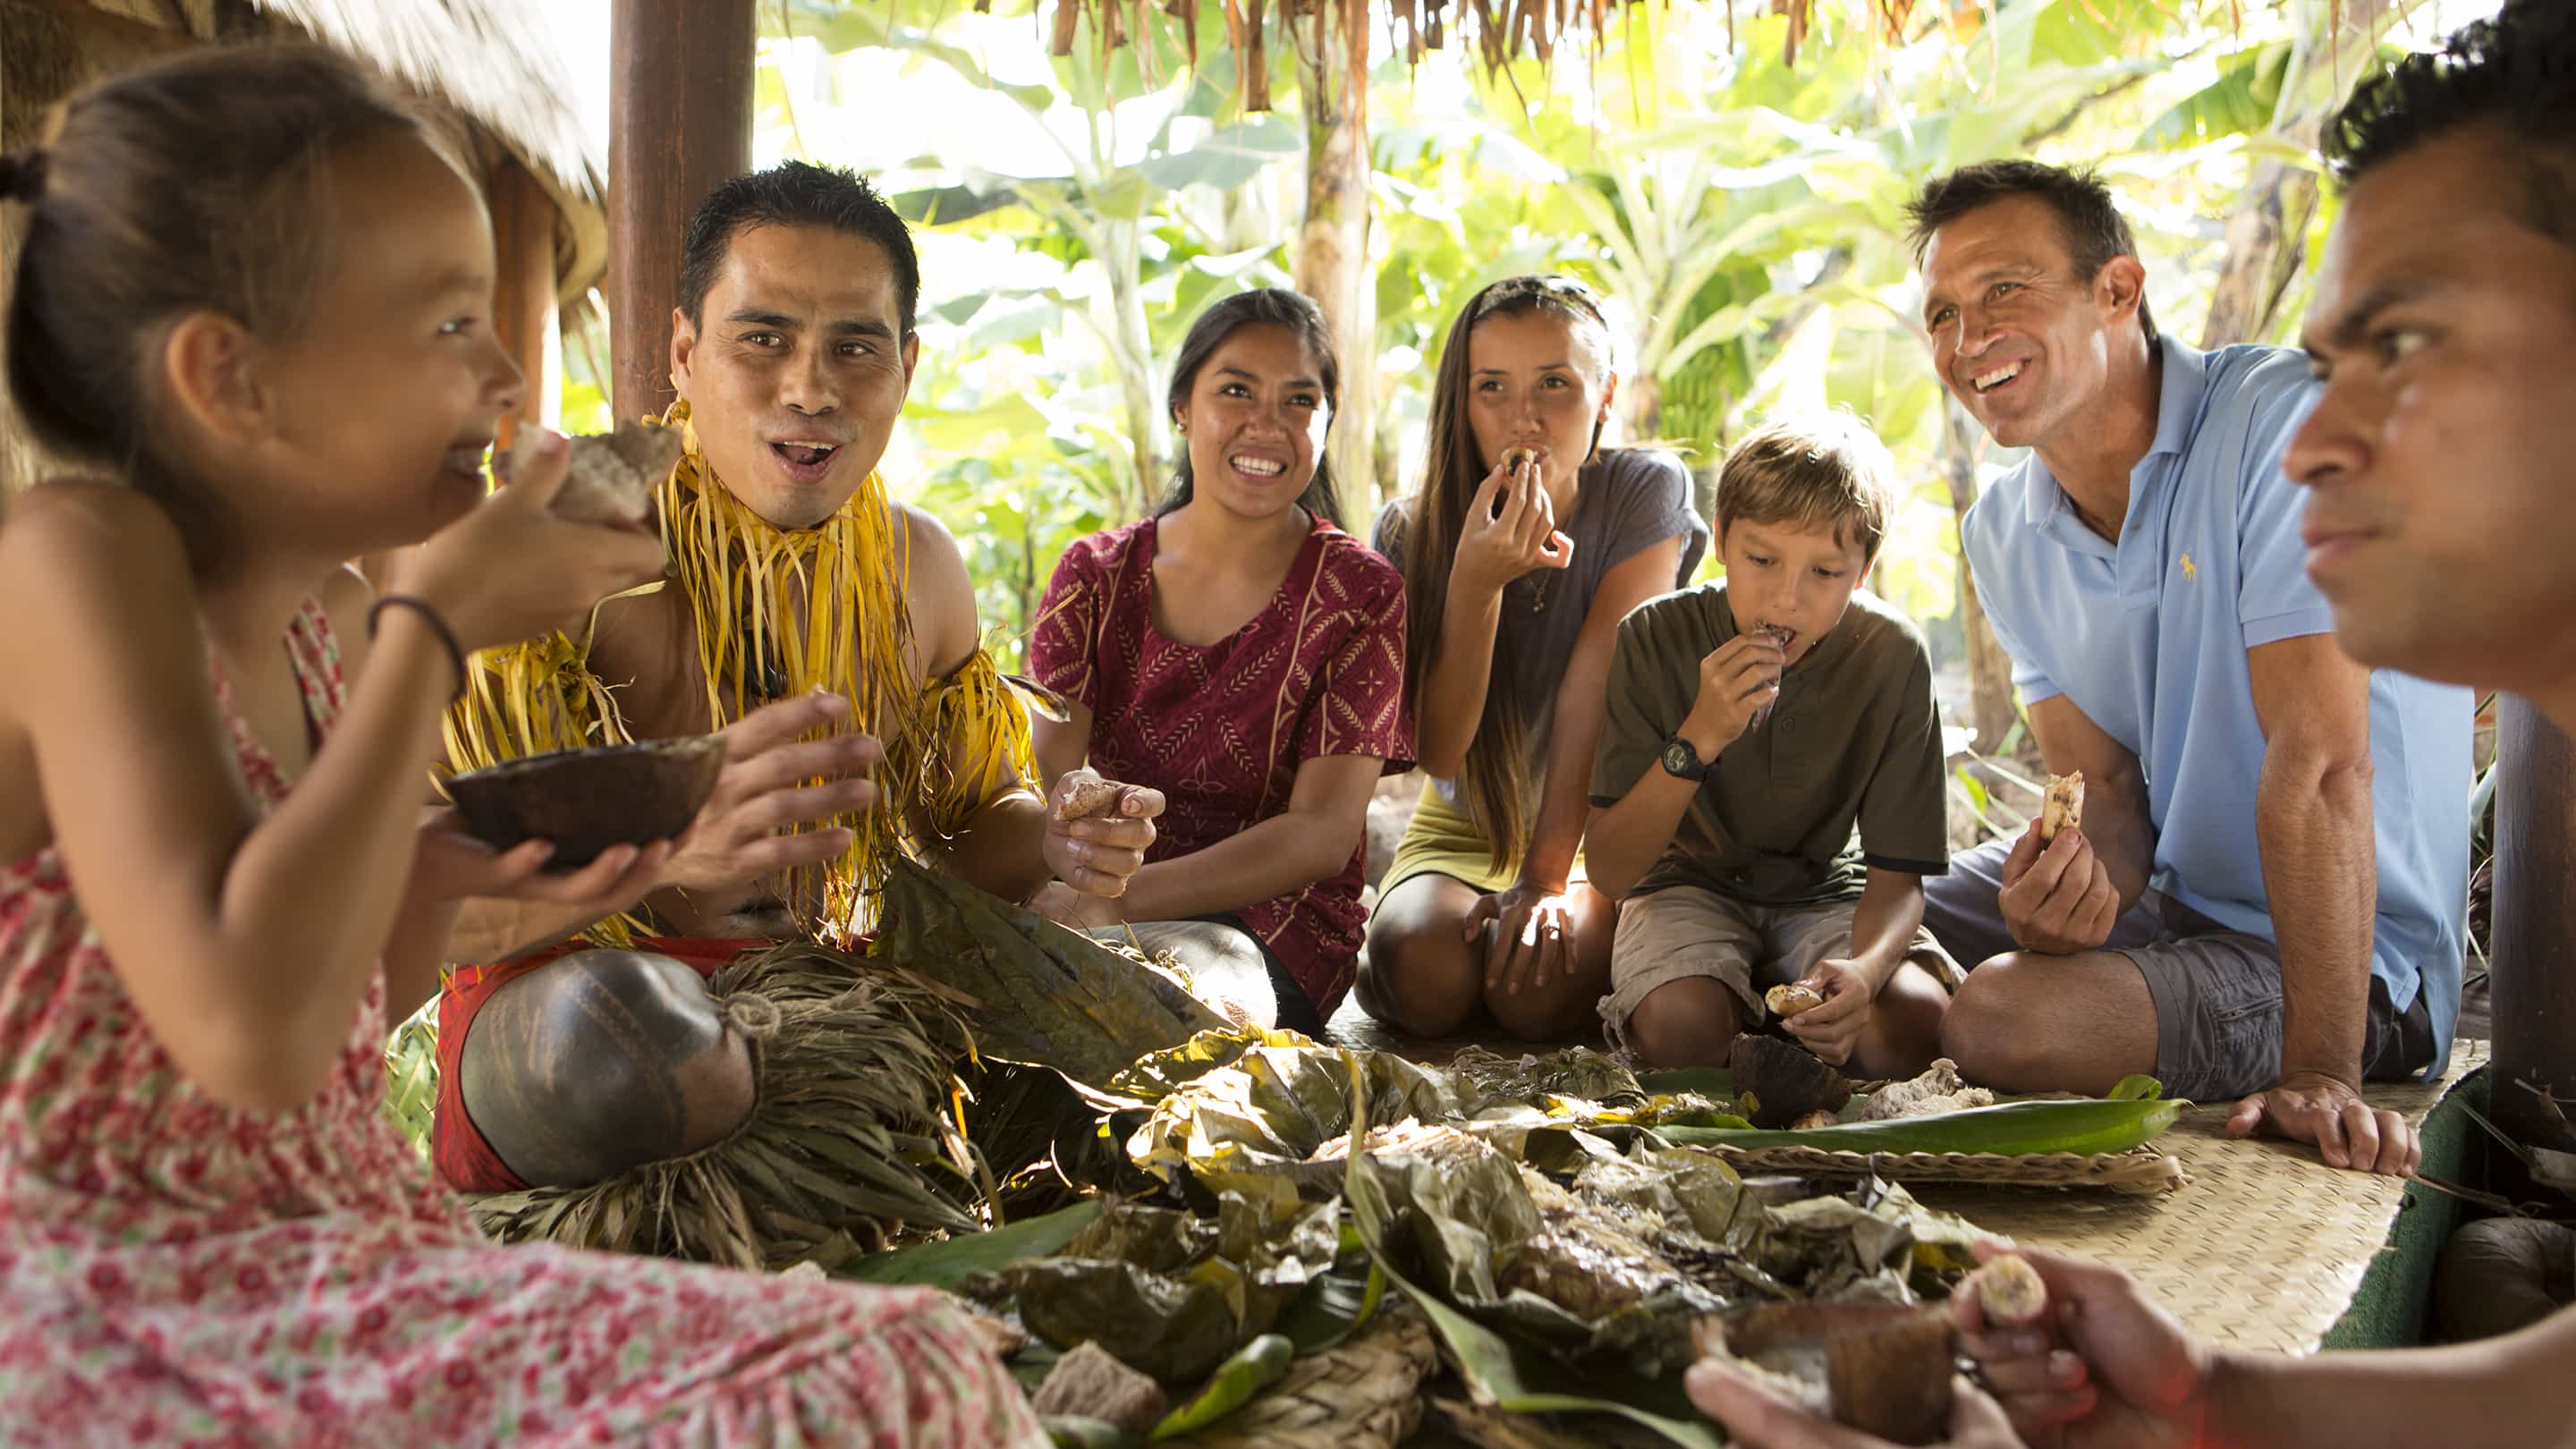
(1820, 470)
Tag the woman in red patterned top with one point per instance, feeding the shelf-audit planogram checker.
(1241, 653)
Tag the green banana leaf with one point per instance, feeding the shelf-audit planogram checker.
(949, 1262)
(1524, 1381)
(1037, 993)
(2010, 1128)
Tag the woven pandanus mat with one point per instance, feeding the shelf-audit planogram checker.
(1364, 1393)
(2140, 1171)
(2263, 1245)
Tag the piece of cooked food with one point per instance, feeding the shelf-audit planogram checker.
(611, 478)
(1788, 1000)
(2062, 808)
(2010, 1290)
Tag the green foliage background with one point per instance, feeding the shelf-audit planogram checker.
(1744, 215)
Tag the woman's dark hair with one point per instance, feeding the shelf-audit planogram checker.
(1494, 785)
(190, 185)
(1266, 307)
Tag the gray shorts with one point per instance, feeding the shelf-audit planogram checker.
(2217, 992)
(1685, 931)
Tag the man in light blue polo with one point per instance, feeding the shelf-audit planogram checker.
(2266, 898)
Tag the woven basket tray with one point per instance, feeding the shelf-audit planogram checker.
(2139, 1172)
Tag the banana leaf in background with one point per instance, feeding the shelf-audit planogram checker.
(2009, 1128)
(1041, 994)
(1498, 1373)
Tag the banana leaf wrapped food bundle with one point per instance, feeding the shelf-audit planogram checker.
(1540, 1210)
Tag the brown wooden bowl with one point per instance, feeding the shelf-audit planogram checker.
(587, 801)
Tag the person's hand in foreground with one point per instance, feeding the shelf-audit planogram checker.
(2101, 1367)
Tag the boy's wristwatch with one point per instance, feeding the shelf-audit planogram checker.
(1683, 762)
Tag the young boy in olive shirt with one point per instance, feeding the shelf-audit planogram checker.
(1751, 724)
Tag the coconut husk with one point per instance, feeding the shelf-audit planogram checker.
(1884, 1370)
(588, 800)
(1777, 1083)
(1360, 1394)
(847, 1143)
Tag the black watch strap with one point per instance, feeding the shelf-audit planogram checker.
(1682, 762)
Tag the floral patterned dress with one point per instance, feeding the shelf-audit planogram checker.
(174, 1271)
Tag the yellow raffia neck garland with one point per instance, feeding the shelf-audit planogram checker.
(779, 613)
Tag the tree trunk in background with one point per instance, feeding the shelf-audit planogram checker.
(1990, 689)
(679, 105)
(2267, 240)
(2533, 961)
(1332, 245)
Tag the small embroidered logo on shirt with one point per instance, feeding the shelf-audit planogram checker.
(2190, 570)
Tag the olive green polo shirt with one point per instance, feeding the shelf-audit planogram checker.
(1846, 774)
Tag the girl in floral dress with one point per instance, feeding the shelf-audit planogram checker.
(255, 301)
(1242, 654)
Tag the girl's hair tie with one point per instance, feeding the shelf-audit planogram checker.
(22, 174)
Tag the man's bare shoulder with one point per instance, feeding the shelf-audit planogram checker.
(938, 592)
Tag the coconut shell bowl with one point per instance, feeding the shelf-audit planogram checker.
(588, 801)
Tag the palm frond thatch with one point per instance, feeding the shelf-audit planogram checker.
(849, 1139)
(495, 60)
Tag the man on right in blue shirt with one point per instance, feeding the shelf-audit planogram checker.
(2266, 896)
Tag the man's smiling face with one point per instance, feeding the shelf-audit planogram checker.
(795, 368)
(2019, 335)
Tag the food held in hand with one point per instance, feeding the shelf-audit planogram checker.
(1781, 637)
(1086, 798)
(1789, 1000)
(2062, 808)
(609, 479)
(2010, 1290)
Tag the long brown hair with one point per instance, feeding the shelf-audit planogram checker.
(190, 185)
(1494, 784)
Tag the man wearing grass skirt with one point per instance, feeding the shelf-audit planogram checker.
(830, 635)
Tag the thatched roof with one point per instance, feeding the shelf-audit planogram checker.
(1498, 31)
(492, 65)
(495, 60)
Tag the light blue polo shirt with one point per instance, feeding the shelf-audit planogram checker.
(2149, 639)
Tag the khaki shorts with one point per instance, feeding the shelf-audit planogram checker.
(1685, 931)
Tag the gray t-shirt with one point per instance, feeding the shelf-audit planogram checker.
(1854, 741)
(1626, 499)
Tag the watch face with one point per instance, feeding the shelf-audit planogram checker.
(1679, 760)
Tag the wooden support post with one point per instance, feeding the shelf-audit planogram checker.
(2533, 956)
(679, 105)
(523, 304)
